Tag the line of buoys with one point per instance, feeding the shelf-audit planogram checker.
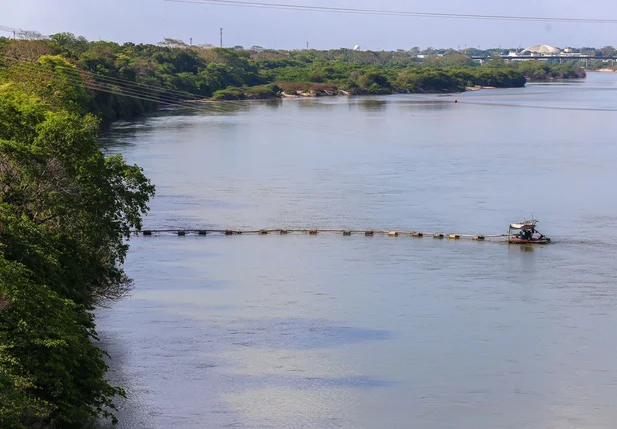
(344, 232)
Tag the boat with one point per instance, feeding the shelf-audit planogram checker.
(526, 233)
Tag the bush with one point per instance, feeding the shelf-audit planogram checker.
(229, 94)
(262, 91)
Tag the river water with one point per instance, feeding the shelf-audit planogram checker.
(362, 332)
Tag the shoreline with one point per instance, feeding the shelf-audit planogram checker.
(341, 93)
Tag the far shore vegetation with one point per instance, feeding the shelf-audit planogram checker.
(172, 68)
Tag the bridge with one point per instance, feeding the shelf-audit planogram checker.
(561, 58)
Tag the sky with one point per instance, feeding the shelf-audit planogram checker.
(149, 21)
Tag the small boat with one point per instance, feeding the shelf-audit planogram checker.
(526, 233)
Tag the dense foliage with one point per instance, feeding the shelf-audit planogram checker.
(65, 214)
(173, 71)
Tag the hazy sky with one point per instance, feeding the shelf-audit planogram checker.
(152, 20)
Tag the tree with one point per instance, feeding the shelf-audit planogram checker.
(70, 42)
(53, 80)
(608, 51)
(453, 59)
(50, 370)
(26, 50)
(30, 35)
(173, 43)
(66, 213)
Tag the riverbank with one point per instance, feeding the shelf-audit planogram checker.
(237, 94)
(127, 81)
(294, 82)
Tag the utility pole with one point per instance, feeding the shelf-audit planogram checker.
(221, 37)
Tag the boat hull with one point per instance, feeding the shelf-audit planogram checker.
(529, 241)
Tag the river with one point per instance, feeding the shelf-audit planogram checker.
(362, 332)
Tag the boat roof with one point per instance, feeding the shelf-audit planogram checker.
(526, 224)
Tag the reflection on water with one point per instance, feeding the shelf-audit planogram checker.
(369, 104)
(356, 332)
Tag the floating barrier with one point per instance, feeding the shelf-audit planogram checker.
(344, 232)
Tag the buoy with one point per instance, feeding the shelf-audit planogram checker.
(455, 101)
(346, 233)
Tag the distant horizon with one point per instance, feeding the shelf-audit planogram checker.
(194, 43)
(150, 21)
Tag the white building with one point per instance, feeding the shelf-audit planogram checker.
(539, 50)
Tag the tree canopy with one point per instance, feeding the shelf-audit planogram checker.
(66, 213)
(172, 71)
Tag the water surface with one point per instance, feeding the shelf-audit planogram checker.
(357, 332)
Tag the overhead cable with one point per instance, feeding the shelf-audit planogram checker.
(325, 9)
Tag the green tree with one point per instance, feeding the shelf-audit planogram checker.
(608, 51)
(66, 213)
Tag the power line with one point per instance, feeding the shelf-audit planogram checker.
(76, 80)
(73, 75)
(531, 106)
(15, 31)
(143, 95)
(305, 8)
(183, 95)
(8, 29)
(146, 94)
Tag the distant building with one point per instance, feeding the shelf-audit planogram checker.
(539, 50)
